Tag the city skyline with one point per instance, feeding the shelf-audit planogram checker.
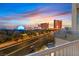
(34, 13)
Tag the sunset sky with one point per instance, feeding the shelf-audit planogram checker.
(14, 14)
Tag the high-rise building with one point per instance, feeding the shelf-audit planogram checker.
(44, 25)
(57, 24)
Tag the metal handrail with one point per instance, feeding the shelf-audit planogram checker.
(54, 49)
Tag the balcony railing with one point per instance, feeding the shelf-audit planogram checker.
(67, 49)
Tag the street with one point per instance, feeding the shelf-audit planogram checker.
(25, 47)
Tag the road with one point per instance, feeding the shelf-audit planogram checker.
(27, 47)
(9, 49)
(24, 47)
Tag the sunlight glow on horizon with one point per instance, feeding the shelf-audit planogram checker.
(32, 14)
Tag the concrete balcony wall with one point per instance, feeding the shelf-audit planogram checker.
(75, 19)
